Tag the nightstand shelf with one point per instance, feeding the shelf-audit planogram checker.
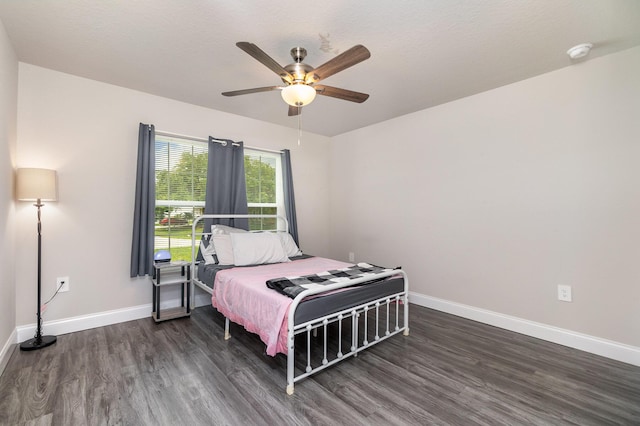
(171, 273)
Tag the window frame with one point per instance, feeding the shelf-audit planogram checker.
(195, 205)
(279, 187)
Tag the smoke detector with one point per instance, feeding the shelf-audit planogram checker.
(579, 51)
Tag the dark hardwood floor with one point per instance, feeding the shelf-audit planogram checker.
(182, 372)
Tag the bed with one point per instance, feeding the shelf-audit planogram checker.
(315, 311)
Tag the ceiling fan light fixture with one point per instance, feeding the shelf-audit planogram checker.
(298, 94)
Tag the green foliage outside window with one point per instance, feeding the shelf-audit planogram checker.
(186, 181)
(260, 175)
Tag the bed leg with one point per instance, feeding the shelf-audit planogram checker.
(227, 336)
(406, 311)
(290, 355)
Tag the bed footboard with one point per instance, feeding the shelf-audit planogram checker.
(322, 342)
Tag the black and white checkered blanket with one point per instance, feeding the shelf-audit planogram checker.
(292, 286)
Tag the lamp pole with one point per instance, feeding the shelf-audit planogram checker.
(39, 341)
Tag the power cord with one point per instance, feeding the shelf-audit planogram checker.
(43, 307)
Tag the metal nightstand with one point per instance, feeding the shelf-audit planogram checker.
(171, 273)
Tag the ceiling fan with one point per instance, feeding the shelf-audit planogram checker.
(300, 79)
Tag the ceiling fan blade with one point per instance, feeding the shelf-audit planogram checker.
(294, 110)
(347, 95)
(265, 60)
(248, 91)
(344, 60)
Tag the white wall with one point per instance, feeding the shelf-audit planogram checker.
(8, 108)
(493, 200)
(88, 131)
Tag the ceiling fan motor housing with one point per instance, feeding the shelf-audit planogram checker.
(298, 70)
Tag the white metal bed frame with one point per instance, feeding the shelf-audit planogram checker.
(380, 308)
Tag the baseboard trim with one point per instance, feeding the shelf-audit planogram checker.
(85, 322)
(584, 342)
(7, 350)
(607, 348)
(100, 319)
(203, 299)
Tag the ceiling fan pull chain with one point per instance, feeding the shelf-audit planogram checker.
(299, 125)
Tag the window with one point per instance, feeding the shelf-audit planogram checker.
(181, 176)
(263, 175)
(181, 173)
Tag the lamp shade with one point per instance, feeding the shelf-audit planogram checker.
(298, 94)
(36, 184)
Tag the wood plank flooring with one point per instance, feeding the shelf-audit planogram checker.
(449, 371)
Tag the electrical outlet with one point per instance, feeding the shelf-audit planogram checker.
(564, 293)
(64, 282)
(352, 256)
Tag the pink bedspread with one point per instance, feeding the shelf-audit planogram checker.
(241, 295)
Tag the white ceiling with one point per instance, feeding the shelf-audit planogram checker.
(423, 52)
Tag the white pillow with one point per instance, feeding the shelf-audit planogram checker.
(289, 245)
(224, 229)
(257, 248)
(224, 249)
(207, 252)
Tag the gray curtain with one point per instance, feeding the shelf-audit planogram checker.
(145, 202)
(226, 185)
(289, 198)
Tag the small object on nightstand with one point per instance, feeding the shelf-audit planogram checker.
(171, 273)
(162, 256)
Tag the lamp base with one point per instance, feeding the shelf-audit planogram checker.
(33, 344)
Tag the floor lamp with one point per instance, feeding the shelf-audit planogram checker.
(37, 185)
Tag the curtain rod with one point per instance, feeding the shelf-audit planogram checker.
(197, 139)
